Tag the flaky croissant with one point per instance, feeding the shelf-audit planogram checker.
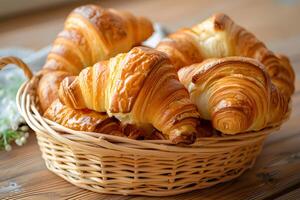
(235, 93)
(139, 87)
(91, 121)
(90, 34)
(219, 37)
(48, 86)
(82, 120)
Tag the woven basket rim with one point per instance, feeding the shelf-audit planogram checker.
(87, 140)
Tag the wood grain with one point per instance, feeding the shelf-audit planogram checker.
(23, 174)
(295, 194)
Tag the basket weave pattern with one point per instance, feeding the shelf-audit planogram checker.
(116, 165)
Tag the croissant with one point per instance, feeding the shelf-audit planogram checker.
(82, 120)
(218, 37)
(91, 34)
(91, 121)
(139, 87)
(48, 86)
(235, 93)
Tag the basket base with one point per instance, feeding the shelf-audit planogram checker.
(98, 174)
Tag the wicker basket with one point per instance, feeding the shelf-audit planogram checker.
(116, 165)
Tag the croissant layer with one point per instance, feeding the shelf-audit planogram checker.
(90, 121)
(47, 89)
(82, 120)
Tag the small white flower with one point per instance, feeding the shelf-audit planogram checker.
(24, 128)
(26, 135)
(23, 139)
(7, 147)
(18, 142)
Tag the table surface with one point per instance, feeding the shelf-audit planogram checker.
(276, 174)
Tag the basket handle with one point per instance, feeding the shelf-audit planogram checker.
(17, 61)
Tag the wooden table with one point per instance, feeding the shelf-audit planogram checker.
(276, 175)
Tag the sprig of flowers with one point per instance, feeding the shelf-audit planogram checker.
(12, 125)
(18, 136)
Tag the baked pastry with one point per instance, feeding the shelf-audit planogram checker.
(235, 93)
(92, 34)
(140, 87)
(82, 120)
(219, 37)
(90, 121)
(48, 85)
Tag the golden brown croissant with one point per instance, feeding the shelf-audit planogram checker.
(81, 120)
(48, 85)
(235, 93)
(88, 120)
(218, 37)
(92, 34)
(139, 87)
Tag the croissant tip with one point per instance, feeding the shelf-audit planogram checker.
(65, 84)
(220, 20)
(220, 15)
(184, 139)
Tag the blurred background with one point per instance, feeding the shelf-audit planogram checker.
(34, 23)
